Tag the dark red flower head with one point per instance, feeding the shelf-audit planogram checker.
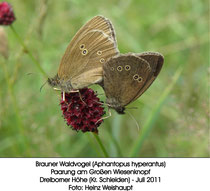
(82, 115)
(6, 14)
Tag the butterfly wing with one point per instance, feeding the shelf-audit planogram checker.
(155, 61)
(124, 77)
(93, 44)
(88, 68)
(96, 23)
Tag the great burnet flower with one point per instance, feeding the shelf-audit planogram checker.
(7, 16)
(82, 111)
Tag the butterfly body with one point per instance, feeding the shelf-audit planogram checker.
(82, 62)
(127, 77)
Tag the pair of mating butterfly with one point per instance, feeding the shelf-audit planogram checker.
(92, 57)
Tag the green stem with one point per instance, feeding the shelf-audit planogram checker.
(101, 145)
(28, 52)
(93, 144)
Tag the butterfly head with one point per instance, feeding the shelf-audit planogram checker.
(115, 104)
(53, 81)
(120, 110)
(60, 84)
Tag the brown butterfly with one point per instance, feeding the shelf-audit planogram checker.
(127, 77)
(84, 57)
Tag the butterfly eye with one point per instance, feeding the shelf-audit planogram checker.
(102, 60)
(119, 68)
(140, 79)
(112, 68)
(127, 67)
(99, 52)
(84, 52)
(82, 46)
(136, 76)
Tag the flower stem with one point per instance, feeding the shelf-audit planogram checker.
(28, 52)
(101, 145)
(23, 141)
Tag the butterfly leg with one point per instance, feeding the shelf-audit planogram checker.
(57, 89)
(110, 114)
(74, 91)
(80, 96)
(102, 103)
(63, 96)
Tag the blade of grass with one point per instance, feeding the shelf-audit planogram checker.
(28, 52)
(153, 115)
(101, 145)
(117, 146)
(115, 132)
(24, 144)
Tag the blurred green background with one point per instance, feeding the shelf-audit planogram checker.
(172, 114)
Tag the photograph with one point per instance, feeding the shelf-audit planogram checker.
(95, 79)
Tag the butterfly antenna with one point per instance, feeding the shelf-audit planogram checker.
(134, 120)
(42, 86)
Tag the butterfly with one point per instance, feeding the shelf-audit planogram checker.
(82, 62)
(128, 76)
